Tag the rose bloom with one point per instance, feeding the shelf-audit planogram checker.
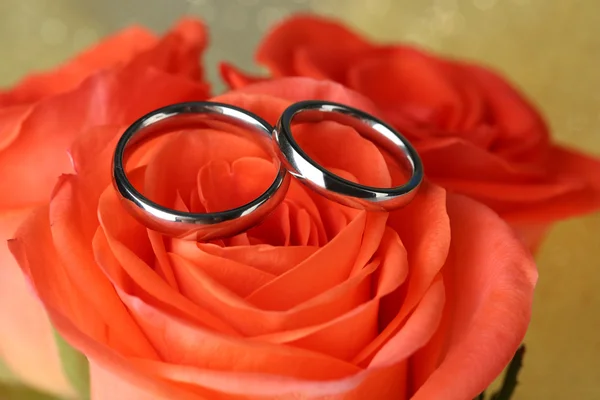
(320, 301)
(111, 84)
(475, 133)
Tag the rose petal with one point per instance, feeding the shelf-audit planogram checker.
(187, 383)
(531, 234)
(568, 191)
(138, 279)
(306, 232)
(176, 53)
(181, 343)
(280, 228)
(26, 338)
(334, 217)
(113, 50)
(11, 122)
(388, 369)
(234, 78)
(501, 195)
(275, 229)
(252, 322)
(523, 130)
(387, 383)
(53, 288)
(322, 308)
(416, 332)
(292, 288)
(270, 259)
(107, 384)
(324, 64)
(301, 198)
(108, 359)
(294, 89)
(71, 237)
(489, 277)
(380, 382)
(226, 185)
(426, 92)
(577, 175)
(114, 96)
(332, 337)
(239, 278)
(455, 158)
(162, 265)
(175, 166)
(53, 281)
(32, 162)
(189, 39)
(337, 146)
(474, 107)
(423, 227)
(118, 248)
(278, 48)
(569, 162)
(505, 197)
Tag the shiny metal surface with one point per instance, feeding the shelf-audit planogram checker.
(195, 226)
(332, 186)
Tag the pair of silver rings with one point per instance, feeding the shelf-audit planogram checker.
(287, 155)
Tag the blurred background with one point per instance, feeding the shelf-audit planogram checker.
(550, 48)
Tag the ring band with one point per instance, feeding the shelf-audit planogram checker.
(329, 185)
(196, 226)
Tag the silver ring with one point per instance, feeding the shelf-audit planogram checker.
(196, 226)
(332, 186)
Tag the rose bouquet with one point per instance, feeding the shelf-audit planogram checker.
(318, 302)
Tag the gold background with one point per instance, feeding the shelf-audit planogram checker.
(551, 48)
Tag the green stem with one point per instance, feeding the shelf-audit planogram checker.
(511, 377)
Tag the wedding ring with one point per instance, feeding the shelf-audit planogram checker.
(336, 188)
(196, 226)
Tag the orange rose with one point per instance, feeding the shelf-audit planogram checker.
(318, 302)
(476, 134)
(109, 85)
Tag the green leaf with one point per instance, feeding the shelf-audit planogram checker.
(6, 374)
(75, 365)
(511, 377)
(510, 381)
(18, 392)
